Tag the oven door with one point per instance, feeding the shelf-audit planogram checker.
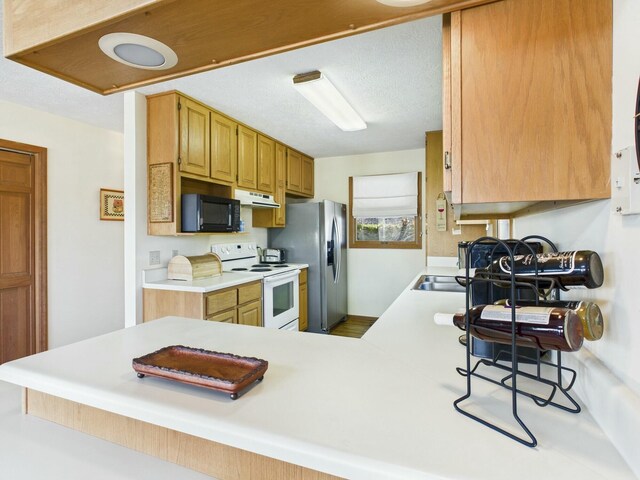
(280, 299)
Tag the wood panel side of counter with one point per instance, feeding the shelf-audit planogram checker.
(161, 303)
(211, 458)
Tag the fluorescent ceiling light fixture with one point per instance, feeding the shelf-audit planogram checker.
(138, 51)
(317, 88)
(402, 3)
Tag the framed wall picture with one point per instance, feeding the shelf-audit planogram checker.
(111, 204)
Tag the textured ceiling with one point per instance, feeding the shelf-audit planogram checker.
(392, 77)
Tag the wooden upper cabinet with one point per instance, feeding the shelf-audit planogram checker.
(281, 185)
(294, 171)
(263, 217)
(527, 101)
(266, 164)
(194, 155)
(224, 148)
(307, 176)
(247, 158)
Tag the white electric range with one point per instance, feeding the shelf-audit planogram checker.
(280, 282)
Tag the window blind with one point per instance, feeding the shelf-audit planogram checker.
(393, 195)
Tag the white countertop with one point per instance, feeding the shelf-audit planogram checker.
(157, 279)
(373, 408)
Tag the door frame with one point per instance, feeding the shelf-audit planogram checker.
(39, 154)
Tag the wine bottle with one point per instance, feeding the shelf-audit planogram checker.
(569, 269)
(589, 313)
(542, 328)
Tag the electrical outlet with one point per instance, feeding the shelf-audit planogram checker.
(154, 257)
(174, 253)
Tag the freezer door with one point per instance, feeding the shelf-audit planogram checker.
(340, 251)
(332, 248)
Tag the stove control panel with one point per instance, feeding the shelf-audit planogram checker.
(235, 251)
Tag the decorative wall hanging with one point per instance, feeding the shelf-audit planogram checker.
(111, 204)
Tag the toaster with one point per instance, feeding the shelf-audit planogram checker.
(274, 255)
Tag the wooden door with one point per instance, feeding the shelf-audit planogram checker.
(294, 171)
(266, 164)
(247, 158)
(194, 138)
(224, 148)
(22, 253)
(307, 175)
(250, 314)
(281, 181)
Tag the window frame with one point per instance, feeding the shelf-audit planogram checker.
(417, 244)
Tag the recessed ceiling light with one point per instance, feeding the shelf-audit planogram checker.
(138, 51)
(402, 3)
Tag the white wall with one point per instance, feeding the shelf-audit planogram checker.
(85, 268)
(608, 370)
(376, 276)
(593, 226)
(137, 243)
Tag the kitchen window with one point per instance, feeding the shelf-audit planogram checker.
(384, 211)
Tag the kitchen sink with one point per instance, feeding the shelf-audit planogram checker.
(438, 283)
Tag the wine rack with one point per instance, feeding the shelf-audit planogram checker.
(557, 379)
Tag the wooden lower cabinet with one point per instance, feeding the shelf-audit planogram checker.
(250, 314)
(239, 304)
(230, 316)
(303, 319)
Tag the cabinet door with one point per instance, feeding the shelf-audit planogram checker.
(307, 175)
(303, 318)
(294, 171)
(230, 316)
(247, 158)
(281, 182)
(446, 99)
(252, 291)
(266, 164)
(268, 218)
(218, 301)
(194, 138)
(224, 148)
(534, 100)
(250, 314)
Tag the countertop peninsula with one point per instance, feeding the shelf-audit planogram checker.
(379, 407)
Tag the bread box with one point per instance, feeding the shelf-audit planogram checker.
(194, 268)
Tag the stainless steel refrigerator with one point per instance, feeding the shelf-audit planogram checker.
(316, 233)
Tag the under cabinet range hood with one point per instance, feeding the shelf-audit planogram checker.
(255, 199)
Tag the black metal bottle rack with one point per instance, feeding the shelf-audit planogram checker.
(555, 381)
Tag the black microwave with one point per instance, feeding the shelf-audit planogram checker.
(205, 213)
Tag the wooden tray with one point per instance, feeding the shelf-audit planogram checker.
(219, 371)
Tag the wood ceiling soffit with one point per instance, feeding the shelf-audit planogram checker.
(205, 34)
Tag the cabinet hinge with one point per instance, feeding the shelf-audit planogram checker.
(179, 161)
(236, 130)
(447, 161)
(179, 106)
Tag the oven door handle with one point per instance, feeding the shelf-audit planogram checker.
(283, 276)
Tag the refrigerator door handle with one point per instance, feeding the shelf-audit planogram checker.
(336, 259)
(337, 250)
